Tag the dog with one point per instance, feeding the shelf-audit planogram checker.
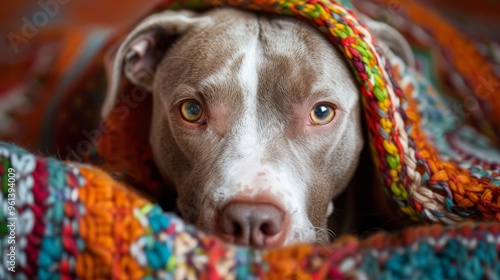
(256, 119)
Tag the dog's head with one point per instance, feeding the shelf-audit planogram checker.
(256, 120)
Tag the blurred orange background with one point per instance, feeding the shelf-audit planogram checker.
(76, 12)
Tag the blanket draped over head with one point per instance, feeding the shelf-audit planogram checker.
(74, 220)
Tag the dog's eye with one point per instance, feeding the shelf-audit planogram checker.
(322, 114)
(191, 110)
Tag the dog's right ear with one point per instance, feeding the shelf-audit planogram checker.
(143, 48)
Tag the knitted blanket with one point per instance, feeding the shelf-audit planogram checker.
(72, 219)
(67, 221)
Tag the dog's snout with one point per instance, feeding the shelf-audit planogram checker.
(251, 224)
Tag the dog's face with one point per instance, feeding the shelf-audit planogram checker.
(256, 120)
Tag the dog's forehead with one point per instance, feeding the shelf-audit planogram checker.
(290, 59)
(302, 65)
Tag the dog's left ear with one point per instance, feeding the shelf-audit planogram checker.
(388, 37)
(142, 50)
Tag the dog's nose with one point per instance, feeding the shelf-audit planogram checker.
(249, 224)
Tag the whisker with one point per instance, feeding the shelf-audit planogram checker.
(332, 234)
(327, 231)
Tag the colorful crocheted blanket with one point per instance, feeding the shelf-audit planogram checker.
(71, 221)
(436, 161)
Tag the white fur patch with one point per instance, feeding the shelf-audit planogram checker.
(245, 175)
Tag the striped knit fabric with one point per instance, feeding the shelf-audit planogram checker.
(71, 221)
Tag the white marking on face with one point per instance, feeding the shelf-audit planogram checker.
(248, 78)
(245, 174)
